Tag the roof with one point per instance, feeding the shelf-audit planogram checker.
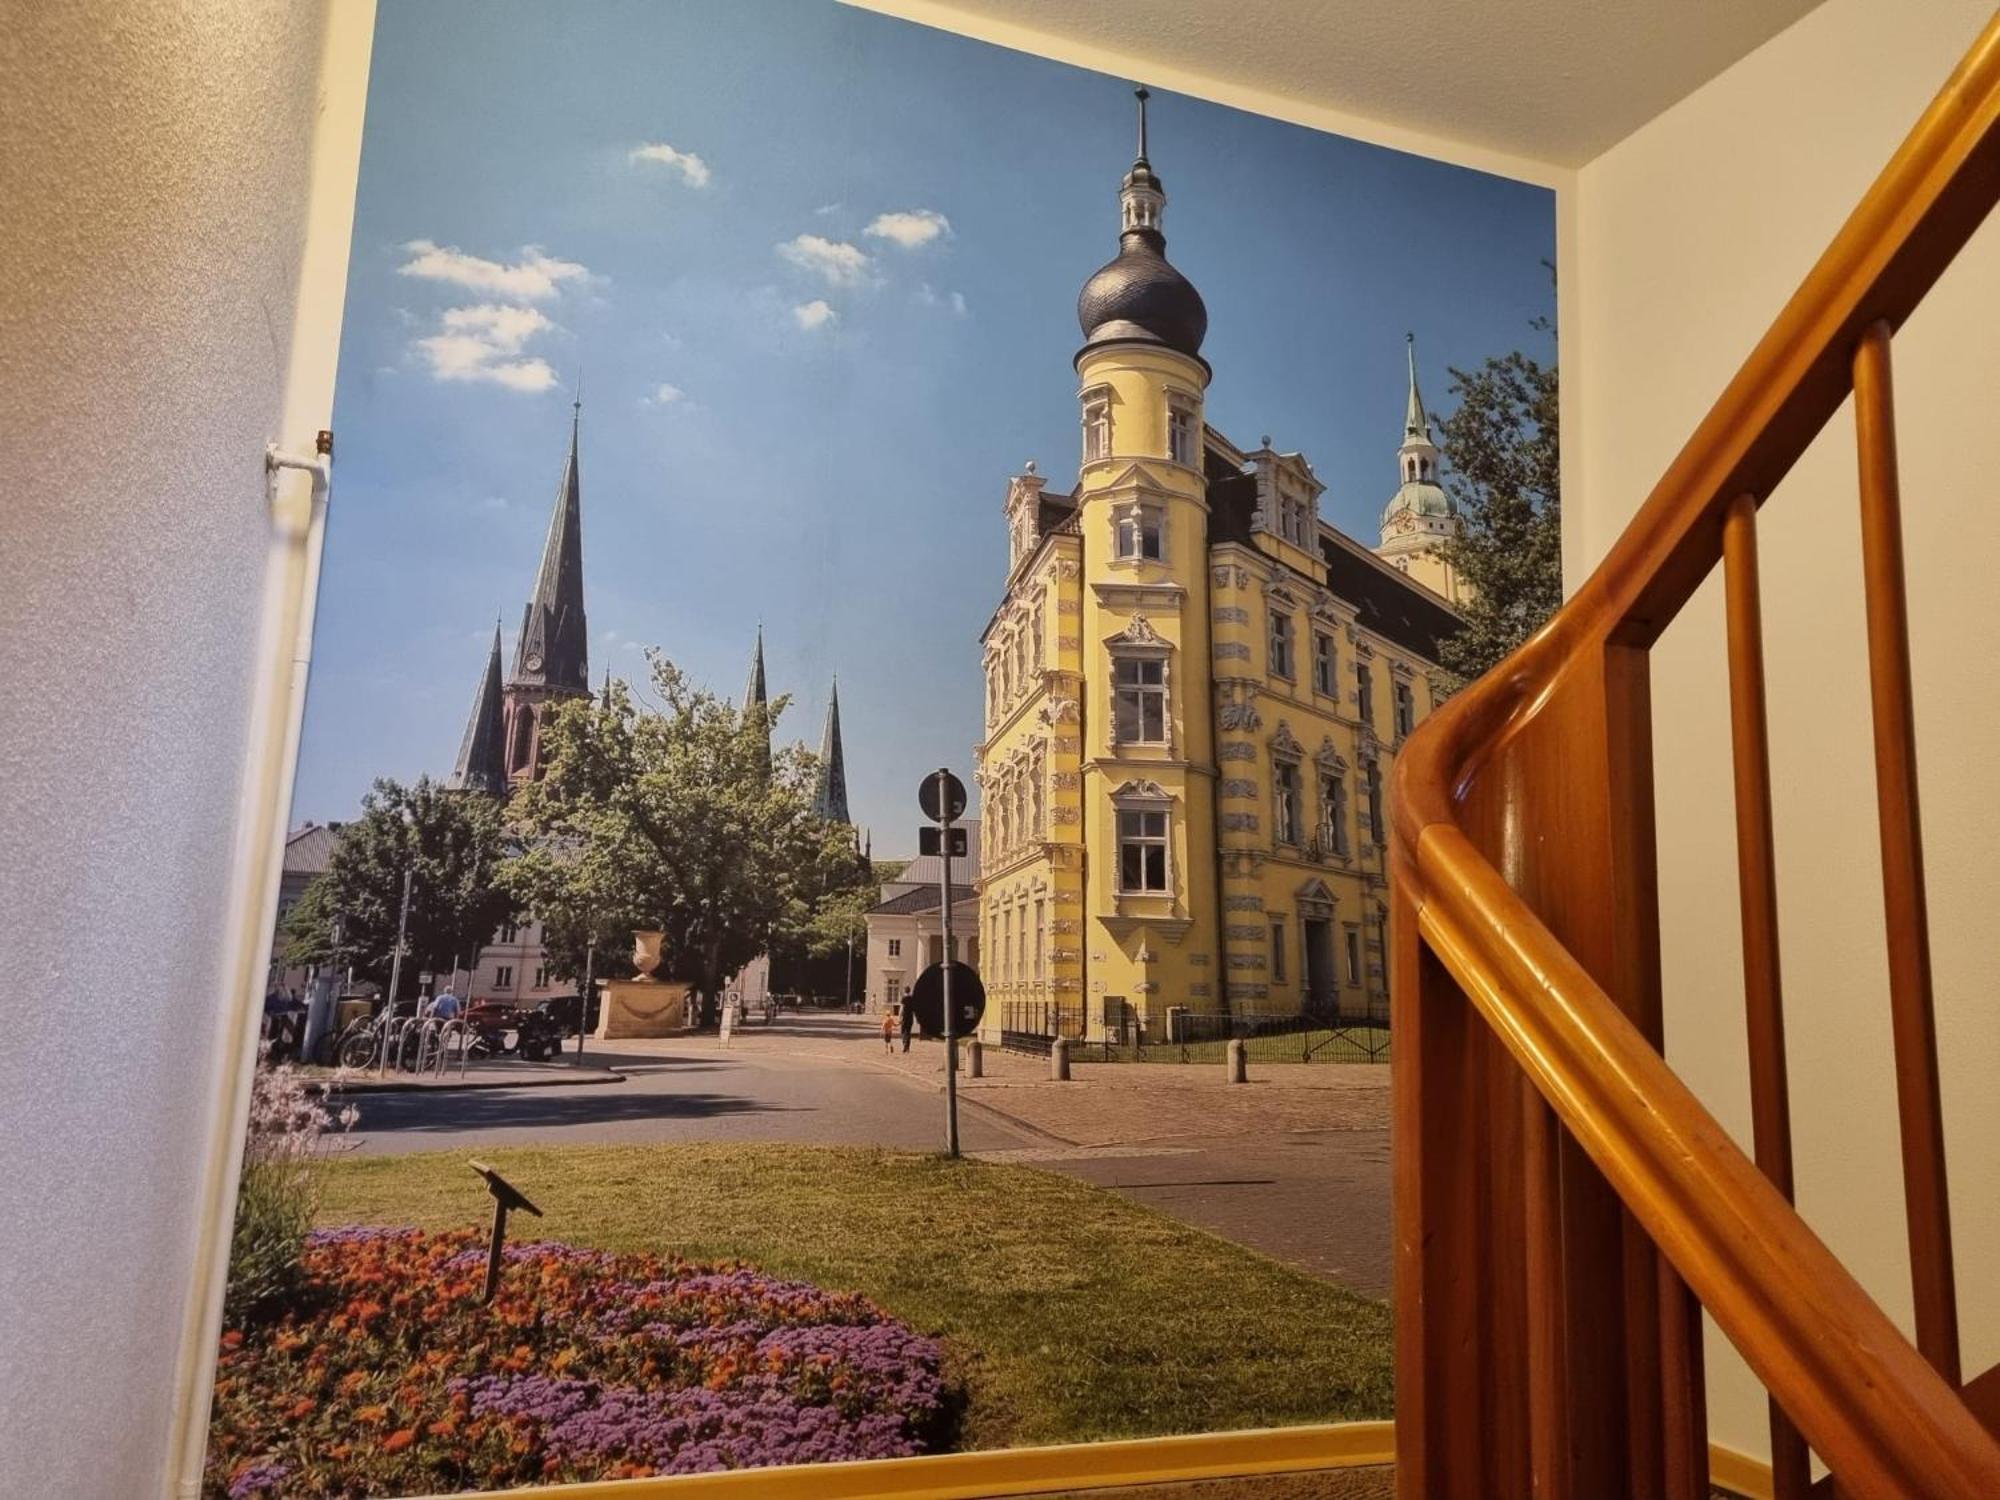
(923, 870)
(552, 651)
(481, 766)
(923, 898)
(1392, 606)
(308, 848)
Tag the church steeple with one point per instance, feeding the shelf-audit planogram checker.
(754, 696)
(481, 765)
(830, 801)
(552, 657)
(1416, 423)
(552, 651)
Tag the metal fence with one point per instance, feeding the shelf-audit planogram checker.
(1350, 1034)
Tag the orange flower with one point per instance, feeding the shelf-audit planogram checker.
(398, 1440)
(443, 1427)
(303, 1407)
(352, 1382)
(232, 1339)
(374, 1415)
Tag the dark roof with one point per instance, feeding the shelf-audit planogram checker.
(481, 767)
(924, 898)
(830, 796)
(309, 847)
(1385, 602)
(1140, 297)
(552, 651)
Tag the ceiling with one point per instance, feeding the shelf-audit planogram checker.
(1553, 81)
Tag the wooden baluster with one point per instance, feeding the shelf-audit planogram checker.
(1441, 1371)
(1926, 1200)
(1548, 1382)
(1684, 1437)
(1757, 887)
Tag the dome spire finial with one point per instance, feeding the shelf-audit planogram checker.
(1142, 94)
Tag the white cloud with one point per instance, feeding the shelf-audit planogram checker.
(535, 277)
(693, 170)
(665, 395)
(910, 229)
(840, 263)
(484, 342)
(814, 314)
(930, 296)
(827, 208)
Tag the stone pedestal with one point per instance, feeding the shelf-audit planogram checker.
(641, 1007)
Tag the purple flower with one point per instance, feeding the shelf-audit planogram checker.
(257, 1479)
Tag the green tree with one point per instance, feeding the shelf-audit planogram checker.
(305, 935)
(1503, 445)
(452, 843)
(678, 817)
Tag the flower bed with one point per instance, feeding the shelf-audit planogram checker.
(391, 1378)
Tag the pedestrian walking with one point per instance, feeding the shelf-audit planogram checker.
(889, 1029)
(909, 1020)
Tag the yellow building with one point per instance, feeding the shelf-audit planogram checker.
(1194, 687)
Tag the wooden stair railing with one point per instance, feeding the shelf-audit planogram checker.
(1565, 1207)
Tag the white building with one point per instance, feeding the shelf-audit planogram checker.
(905, 932)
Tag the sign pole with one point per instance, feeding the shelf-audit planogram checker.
(950, 1016)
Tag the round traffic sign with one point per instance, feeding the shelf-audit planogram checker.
(968, 1000)
(942, 797)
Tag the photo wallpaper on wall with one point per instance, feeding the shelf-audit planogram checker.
(744, 410)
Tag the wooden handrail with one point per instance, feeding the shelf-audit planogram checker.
(1534, 903)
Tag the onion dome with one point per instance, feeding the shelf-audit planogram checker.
(1139, 297)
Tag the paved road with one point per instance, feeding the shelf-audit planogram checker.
(701, 1092)
(1316, 1198)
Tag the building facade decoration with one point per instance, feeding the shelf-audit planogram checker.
(1210, 601)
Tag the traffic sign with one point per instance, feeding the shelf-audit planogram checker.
(930, 840)
(946, 808)
(968, 999)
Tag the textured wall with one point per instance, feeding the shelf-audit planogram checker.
(155, 174)
(1691, 234)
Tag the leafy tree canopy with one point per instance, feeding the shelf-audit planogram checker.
(675, 814)
(1503, 475)
(452, 843)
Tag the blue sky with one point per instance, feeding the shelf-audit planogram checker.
(819, 269)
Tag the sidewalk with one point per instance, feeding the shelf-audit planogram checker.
(1103, 1103)
(489, 1075)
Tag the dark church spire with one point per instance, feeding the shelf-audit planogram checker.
(552, 651)
(481, 765)
(830, 801)
(753, 694)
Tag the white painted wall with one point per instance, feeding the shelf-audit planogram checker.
(178, 180)
(1690, 234)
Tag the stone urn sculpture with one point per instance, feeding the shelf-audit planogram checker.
(645, 1005)
(646, 954)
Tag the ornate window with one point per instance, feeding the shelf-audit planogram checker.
(1140, 701)
(1353, 956)
(1324, 661)
(1139, 534)
(1374, 775)
(1406, 709)
(1285, 800)
(1282, 663)
(1364, 693)
(1278, 952)
(1333, 813)
(1096, 423)
(1142, 851)
(1181, 430)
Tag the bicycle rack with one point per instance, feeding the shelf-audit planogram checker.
(446, 1031)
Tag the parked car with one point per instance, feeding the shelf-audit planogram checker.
(565, 1009)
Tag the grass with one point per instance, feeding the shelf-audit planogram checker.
(1069, 1313)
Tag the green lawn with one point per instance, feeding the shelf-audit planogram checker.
(1070, 1313)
